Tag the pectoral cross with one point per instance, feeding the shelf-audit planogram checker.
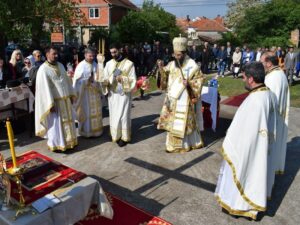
(187, 70)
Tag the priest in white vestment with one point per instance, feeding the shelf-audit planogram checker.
(181, 114)
(118, 79)
(243, 183)
(88, 105)
(278, 84)
(54, 117)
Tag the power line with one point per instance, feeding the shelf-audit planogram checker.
(190, 3)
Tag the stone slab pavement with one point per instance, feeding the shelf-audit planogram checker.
(177, 187)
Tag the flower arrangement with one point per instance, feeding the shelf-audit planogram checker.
(143, 83)
(213, 83)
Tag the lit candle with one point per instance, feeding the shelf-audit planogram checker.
(103, 46)
(10, 135)
(99, 45)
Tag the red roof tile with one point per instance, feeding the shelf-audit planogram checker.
(219, 19)
(183, 23)
(205, 24)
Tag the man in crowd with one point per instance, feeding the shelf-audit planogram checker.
(88, 105)
(244, 175)
(119, 80)
(222, 57)
(54, 119)
(229, 51)
(183, 80)
(37, 55)
(195, 54)
(278, 84)
(214, 58)
(258, 54)
(290, 64)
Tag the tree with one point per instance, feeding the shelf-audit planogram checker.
(134, 28)
(271, 23)
(236, 11)
(264, 23)
(147, 24)
(160, 20)
(99, 33)
(27, 18)
(230, 37)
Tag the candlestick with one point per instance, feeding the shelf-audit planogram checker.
(10, 135)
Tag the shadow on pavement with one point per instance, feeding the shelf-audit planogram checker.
(176, 174)
(210, 137)
(87, 143)
(147, 96)
(144, 127)
(283, 182)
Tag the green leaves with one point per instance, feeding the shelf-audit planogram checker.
(145, 25)
(26, 19)
(264, 23)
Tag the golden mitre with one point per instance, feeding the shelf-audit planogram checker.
(179, 44)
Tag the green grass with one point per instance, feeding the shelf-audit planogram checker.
(295, 95)
(229, 86)
(153, 87)
(232, 87)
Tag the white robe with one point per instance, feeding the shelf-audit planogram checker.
(119, 98)
(54, 89)
(245, 177)
(88, 105)
(181, 119)
(278, 84)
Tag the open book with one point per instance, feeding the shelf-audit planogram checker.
(46, 202)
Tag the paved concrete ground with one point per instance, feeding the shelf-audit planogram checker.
(176, 187)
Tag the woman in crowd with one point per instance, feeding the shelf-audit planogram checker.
(16, 64)
(236, 61)
(28, 65)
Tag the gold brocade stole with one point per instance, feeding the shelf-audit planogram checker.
(182, 111)
(95, 108)
(263, 88)
(65, 113)
(125, 79)
(115, 83)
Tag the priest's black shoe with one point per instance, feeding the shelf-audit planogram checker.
(122, 143)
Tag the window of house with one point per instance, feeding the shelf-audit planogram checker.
(93, 13)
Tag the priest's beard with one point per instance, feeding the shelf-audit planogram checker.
(117, 57)
(180, 61)
(247, 87)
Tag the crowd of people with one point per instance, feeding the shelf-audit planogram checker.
(223, 59)
(72, 90)
(231, 59)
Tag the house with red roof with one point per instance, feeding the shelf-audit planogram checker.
(98, 13)
(203, 29)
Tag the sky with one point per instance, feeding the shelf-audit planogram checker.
(193, 8)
